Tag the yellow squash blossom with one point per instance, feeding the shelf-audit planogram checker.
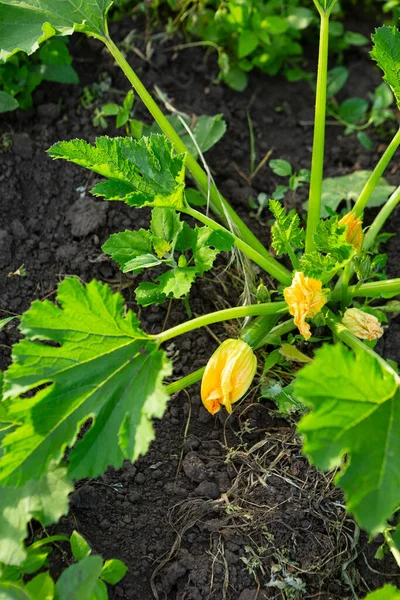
(354, 233)
(362, 324)
(228, 375)
(305, 298)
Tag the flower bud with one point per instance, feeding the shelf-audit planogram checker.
(362, 324)
(228, 375)
(354, 233)
(305, 298)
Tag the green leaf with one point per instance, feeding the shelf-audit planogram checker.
(294, 354)
(12, 591)
(207, 131)
(353, 38)
(330, 238)
(319, 266)
(3, 322)
(24, 24)
(388, 592)
(286, 230)
(236, 79)
(113, 571)
(365, 140)
(103, 368)
(355, 412)
(248, 41)
(79, 546)
(280, 167)
(7, 102)
(325, 5)
(45, 500)
(79, 581)
(353, 110)
(386, 52)
(348, 188)
(59, 74)
(300, 18)
(144, 172)
(165, 226)
(195, 198)
(41, 587)
(337, 79)
(100, 591)
(126, 246)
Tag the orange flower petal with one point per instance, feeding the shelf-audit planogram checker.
(228, 375)
(305, 298)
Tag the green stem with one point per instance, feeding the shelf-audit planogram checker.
(376, 175)
(184, 382)
(392, 546)
(355, 343)
(381, 219)
(219, 204)
(317, 162)
(345, 285)
(268, 263)
(227, 314)
(275, 333)
(373, 289)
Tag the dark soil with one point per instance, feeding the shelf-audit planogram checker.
(219, 508)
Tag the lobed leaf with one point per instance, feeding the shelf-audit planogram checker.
(146, 172)
(330, 238)
(96, 367)
(355, 412)
(386, 52)
(206, 131)
(348, 188)
(286, 230)
(388, 592)
(45, 500)
(26, 23)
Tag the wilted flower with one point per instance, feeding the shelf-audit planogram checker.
(228, 375)
(305, 298)
(354, 233)
(362, 324)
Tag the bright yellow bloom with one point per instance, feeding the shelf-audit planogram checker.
(362, 324)
(305, 298)
(228, 375)
(354, 234)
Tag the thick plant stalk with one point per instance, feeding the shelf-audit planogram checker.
(373, 289)
(381, 219)
(219, 204)
(376, 175)
(317, 163)
(268, 263)
(240, 312)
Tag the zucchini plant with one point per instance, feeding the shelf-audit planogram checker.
(84, 359)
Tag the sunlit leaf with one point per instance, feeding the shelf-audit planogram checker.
(95, 364)
(141, 173)
(355, 412)
(26, 23)
(386, 52)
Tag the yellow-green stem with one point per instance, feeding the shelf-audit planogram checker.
(392, 546)
(376, 175)
(373, 289)
(240, 312)
(317, 164)
(219, 204)
(268, 263)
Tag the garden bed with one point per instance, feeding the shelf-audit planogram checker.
(217, 505)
